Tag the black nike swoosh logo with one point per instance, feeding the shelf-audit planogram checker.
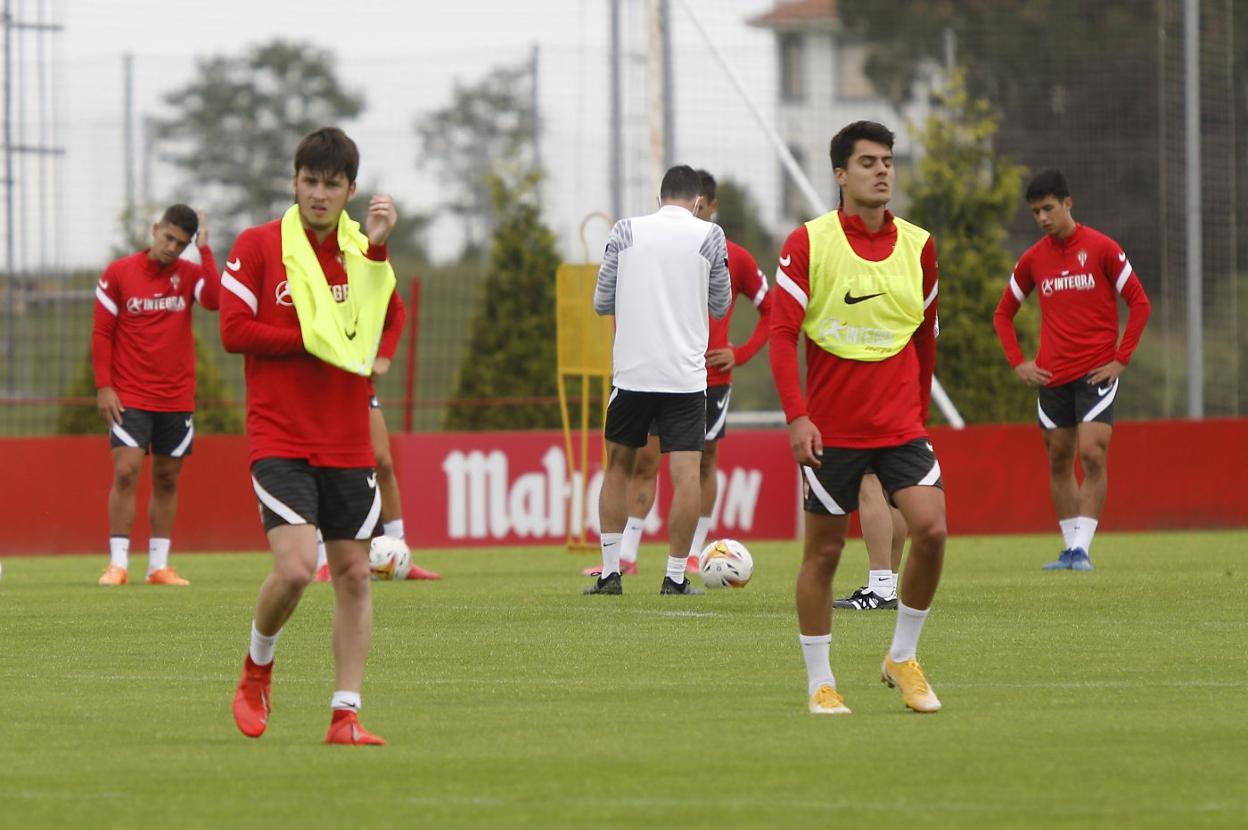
(350, 335)
(850, 299)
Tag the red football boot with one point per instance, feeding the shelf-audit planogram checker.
(626, 569)
(251, 700)
(417, 572)
(345, 728)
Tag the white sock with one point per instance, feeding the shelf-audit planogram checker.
(699, 535)
(394, 528)
(346, 700)
(119, 551)
(631, 539)
(1083, 536)
(262, 646)
(676, 568)
(893, 581)
(1070, 529)
(157, 555)
(818, 669)
(906, 634)
(881, 583)
(610, 543)
(322, 558)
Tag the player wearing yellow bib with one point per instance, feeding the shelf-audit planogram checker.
(861, 284)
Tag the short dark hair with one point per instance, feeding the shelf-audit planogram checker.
(181, 216)
(709, 187)
(328, 150)
(680, 182)
(842, 146)
(1048, 182)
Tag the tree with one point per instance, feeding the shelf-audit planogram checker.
(234, 128)
(511, 350)
(965, 195)
(739, 216)
(488, 129)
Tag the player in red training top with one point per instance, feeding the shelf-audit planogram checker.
(387, 483)
(861, 285)
(1080, 273)
(143, 353)
(721, 356)
(307, 419)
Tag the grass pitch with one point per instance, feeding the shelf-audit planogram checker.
(1071, 700)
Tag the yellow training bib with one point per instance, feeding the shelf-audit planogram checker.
(859, 309)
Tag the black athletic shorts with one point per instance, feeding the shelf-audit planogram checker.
(832, 490)
(343, 502)
(680, 418)
(1076, 402)
(163, 433)
(716, 413)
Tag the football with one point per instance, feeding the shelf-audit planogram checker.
(725, 563)
(389, 558)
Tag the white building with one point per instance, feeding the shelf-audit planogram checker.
(822, 85)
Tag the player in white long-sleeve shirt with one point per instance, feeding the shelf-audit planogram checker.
(661, 276)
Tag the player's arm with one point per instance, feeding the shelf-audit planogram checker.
(621, 237)
(241, 332)
(1016, 290)
(925, 335)
(108, 305)
(1127, 284)
(392, 330)
(719, 288)
(208, 286)
(788, 312)
(754, 286)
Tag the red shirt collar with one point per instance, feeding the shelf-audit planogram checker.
(854, 224)
(1063, 244)
(154, 268)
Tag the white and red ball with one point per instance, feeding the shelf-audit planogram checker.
(725, 563)
(389, 558)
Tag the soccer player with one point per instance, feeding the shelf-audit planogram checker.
(861, 284)
(143, 354)
(391, 503)
(1081, 273)
(721, 356)
(660, 276)
(312, 280)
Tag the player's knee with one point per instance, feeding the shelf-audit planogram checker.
(354, 576)
(294, 572)
(126, 475)
(1092, 459)
(928, 535)
(165, 483)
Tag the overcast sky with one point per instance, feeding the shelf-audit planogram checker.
(403, 56)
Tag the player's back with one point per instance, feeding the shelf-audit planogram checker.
(661, 300)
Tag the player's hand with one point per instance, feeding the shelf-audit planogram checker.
(109, 404)
(380, 366)
(722, 359)
(806, 442)
(381, 219)
(1031, 374)
(1110, 371)
(201, 238)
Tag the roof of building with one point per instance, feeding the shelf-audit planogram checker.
(794, 14)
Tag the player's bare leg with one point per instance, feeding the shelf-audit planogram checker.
(161, 509)
(388, 485)
(353, 611)
(1094, 456)
(684, 467)
(924, 512)
(709, 479)
(879, 534)
(127, 467)
(613, 514)
(1061, 444)
(821, 553)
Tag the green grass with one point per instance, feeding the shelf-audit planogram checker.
(1071, 700)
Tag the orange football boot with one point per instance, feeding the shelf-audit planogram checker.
(345, 728)
(166, 576)
(114, 575)
(252, 702)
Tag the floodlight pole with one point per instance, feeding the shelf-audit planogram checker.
(1195, 266)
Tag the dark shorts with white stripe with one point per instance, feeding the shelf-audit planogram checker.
(343, 502)
(1077, 402)
(716, 412)
(680, 416)
(832, 490)
(162, 433)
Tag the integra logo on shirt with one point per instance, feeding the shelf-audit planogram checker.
(146, 305)
(282, 293)
(1073, 282)
(872, 338)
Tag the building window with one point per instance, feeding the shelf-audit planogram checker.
(791, 199)
(851, 72)
(792, 68)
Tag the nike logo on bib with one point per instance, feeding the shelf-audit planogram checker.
(850, 299)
